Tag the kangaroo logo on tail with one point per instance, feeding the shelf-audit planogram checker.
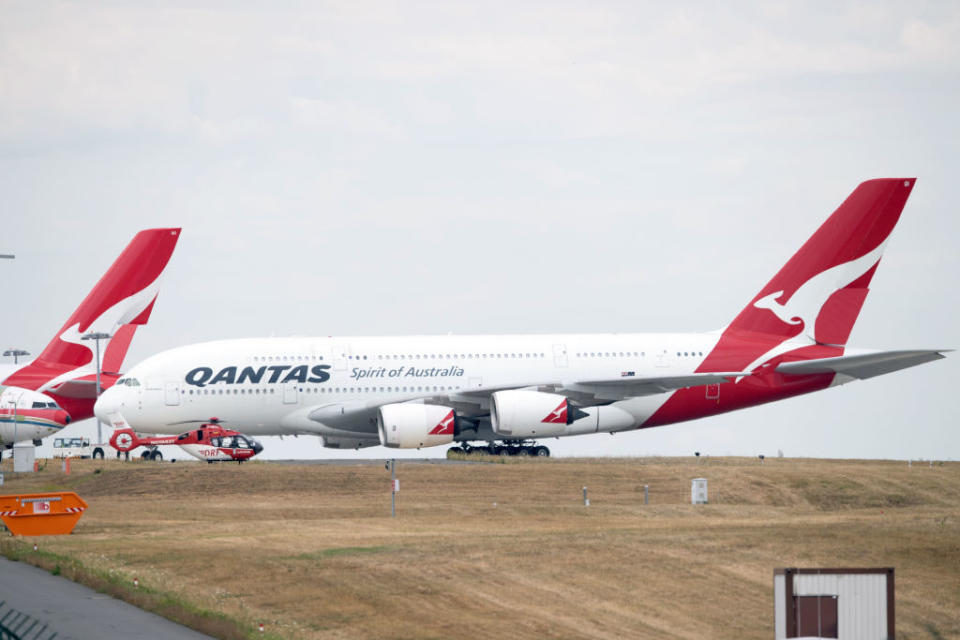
(805, 304)
(816, 297)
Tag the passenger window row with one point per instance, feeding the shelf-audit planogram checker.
(235, 391)
(448, 356)
(409, 389)
(611, 354)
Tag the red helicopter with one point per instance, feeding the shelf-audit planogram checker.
(209, 442)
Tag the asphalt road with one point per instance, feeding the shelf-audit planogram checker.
(75, 612)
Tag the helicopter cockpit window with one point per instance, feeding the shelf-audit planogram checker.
(215, 441)
(231, 443)
(242, 442)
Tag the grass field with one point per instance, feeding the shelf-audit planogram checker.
(509, 550)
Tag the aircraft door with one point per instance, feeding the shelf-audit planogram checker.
(663, 360)
(290, 393)
(340, 353)
(560, 355)
(172, 395)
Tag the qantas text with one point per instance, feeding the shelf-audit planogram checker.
(202, 376)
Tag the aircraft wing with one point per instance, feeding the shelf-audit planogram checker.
(360, 417)
(862, 366)
(630, 387)
(474, 402)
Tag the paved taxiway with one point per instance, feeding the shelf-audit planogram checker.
(78, 613)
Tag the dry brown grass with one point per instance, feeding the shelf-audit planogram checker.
(509, 549)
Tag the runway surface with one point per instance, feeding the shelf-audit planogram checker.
(75, 612)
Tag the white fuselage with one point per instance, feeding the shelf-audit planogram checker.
(271, 386)
(27, 415)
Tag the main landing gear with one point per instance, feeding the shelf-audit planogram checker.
(522, 448)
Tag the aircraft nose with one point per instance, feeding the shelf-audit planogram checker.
(257, 447)
(62, 417)
(106, 404)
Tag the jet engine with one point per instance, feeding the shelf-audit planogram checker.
(411, 426)
(533, 414)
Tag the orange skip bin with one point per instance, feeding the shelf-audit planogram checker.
(41, 514)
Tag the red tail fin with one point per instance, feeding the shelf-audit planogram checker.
(816, 297)
(123, 296)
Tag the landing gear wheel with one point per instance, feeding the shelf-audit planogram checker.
(493, 450)
(523, 452)
(452, 452)
(145, 455)
(156, 456)
(504, 451)
(98, 453)
(541, 452)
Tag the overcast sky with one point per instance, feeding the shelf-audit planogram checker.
(369, 168)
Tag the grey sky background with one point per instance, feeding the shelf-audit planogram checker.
(370, 168)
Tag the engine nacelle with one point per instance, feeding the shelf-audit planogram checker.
(411, 426)
(533, 414)
(530, 414)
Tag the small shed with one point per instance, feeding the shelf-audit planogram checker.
(24, 457)
(833, 603)
(698, 491)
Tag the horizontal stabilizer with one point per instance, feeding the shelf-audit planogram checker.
(86, 389)
(862, 366)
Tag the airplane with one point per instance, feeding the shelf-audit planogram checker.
(65, 371)
(27, 415)
(210, 442)
(505, 392)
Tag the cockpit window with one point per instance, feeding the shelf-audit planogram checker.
(52, 405)
(39, 405)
